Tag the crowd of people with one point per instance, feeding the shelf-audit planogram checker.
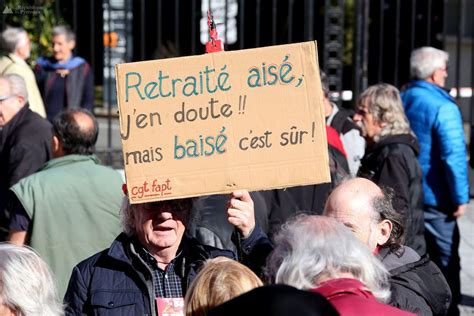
(380, 239)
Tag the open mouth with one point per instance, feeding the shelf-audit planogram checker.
(162, 228)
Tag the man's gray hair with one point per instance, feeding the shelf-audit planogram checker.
(382, 207)
(26, 283)
(310, 249)
(128, 224)
(11, 38)
(64, 30)
(17, 85)
(425, 60)
(384, 103)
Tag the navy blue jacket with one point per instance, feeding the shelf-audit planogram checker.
(117, 281)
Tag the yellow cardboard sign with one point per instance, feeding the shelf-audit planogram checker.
(219, 122)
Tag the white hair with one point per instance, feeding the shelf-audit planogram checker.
(310, 249)
(64, 30)
(26, 283)
(12, 38)
(17, 85)
(425, 60)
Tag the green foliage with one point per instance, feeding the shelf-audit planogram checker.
(98, 96)
(38, 19)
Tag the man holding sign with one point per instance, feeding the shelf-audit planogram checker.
(192, 126)
(149, 267)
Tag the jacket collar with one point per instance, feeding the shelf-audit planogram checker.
(344, 286)
(395, 259)
(70, 159)
(432, 88)
(16, 59)
(123, 244)
(118, 249)
(406, 139)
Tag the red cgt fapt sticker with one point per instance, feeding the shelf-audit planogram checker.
(170, 306)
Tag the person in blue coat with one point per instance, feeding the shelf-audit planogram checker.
(437, 123)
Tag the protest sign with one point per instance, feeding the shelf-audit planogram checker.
(219, 122)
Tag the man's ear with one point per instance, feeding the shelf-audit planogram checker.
(57, 147)
(432, 77)
(384, 230)
(21, 100)
(55, 143)
(71, 44)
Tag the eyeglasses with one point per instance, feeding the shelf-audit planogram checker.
(179, 205)
(444, 68)
(6, 97)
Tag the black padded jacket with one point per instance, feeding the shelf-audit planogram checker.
(417, 284)
(392, 162)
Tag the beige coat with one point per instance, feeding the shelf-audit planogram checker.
(13, 64)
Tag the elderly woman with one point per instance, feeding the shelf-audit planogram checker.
(26, 284)
(322, 255)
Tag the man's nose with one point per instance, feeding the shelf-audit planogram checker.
(357, 118)
(164, 213)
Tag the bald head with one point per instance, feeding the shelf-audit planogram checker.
(77, 131)
(354, 195)
(84, 121)
(352, 203)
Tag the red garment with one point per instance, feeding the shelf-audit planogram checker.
(335, 140)
(351, 297)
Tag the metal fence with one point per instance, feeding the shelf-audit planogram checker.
(360, 42)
